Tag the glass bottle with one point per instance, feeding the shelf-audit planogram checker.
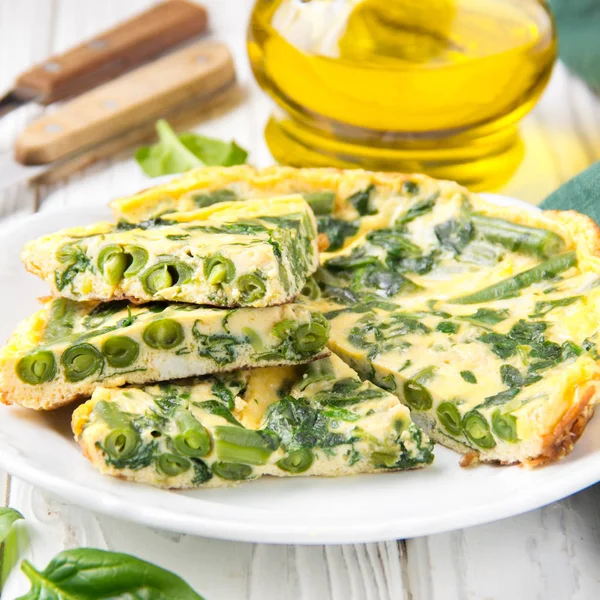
(433, 86)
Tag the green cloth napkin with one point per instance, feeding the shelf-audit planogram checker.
(578, 24)
(582, 193)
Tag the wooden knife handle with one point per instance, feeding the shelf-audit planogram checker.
(113, 52)
(139, 97)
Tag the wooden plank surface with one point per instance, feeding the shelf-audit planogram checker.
(552, 553)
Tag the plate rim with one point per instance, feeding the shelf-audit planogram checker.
(223, 526)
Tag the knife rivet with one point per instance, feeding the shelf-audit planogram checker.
(52, 67)
(110, 104)
(98, 44)
(53, 127)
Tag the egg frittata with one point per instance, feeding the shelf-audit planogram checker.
(483, 319)
(256, 254)
(67, 349)
(317, 419)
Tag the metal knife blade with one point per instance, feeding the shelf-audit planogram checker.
(9, 102)
(113, 52)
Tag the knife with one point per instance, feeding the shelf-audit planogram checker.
(107, 118)
(107, 55)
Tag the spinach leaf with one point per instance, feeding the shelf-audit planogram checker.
(544, 307)
(454, 235)
(395, 242)
(511, 376)
(500, 398)
(468, 376)
(336, 230)
(90, 574)
(420, 208)
(9, 538)
(179, 153)
(79, 262)
(300, 425)
(447, 327)
(215, 407)
(486, 316)
(362, 201)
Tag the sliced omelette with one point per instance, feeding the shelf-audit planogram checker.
(67, 349)
(483, 319)
(256, 254)
(317, 419)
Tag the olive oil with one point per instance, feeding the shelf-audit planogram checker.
(409, 85)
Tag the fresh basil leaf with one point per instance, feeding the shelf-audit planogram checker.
(90, 574)
(10, 540)
(7, 517)
(179, 153)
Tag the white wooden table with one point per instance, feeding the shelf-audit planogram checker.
(552, 553)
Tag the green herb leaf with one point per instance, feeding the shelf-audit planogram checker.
(468, 376)
(179, 153)
(10, 539)
(89, 574)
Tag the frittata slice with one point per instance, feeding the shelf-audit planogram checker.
(318, 419)
(255, 254)
(483, 319)
(64, 351)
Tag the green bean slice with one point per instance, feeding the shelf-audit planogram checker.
(37, 367)
(252, 288)
(139, 258)
(163, 334)
(193, 439)
(111, 415)
(505, 427)
(164, 275)
(449, 416)
(322, 203)
(297, 461)
(121, 443)
(239, 445)
(81, 361)
(310, 338)
(507, 287)
(120, 351)
(518, 238)
(477, 430)
(172, 465)
(218, 270)
(417, 396)
(112, 263)
(232, 471)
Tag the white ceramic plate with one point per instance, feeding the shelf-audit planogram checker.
(39, 448)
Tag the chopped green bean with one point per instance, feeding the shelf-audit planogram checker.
(518, 238)
(310, 338)
(37, 367)
(449, 417)
(508, 287)
(121, 443)
(297, 461)
(61, 320)
(236, 444)
(120, 351)
(252, 288)
(164, 275)
(254, 339)
(81, 361)
(232, 471)
(417, 396)
(477, 430)
(138, 259)
(163, 334)
(172, 465)
(505, 427)
(322, 203)
(218, 270)
(193, 439)
(112, 263)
